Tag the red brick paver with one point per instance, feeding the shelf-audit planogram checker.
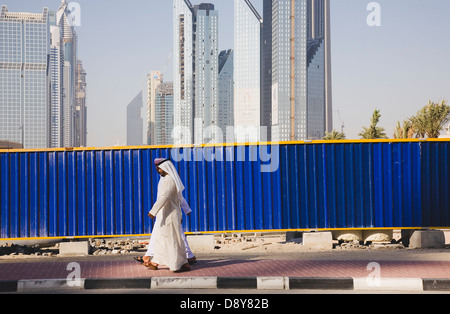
(228, 268)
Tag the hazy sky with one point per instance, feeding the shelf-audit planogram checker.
(395, 67)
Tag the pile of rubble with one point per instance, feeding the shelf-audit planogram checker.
(10, 249)
(368, 245)
(117, 246)
(97, 247)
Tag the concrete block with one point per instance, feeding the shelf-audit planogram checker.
(200, 242)
(388, 284)
(318, 240)
(183, 283)
(272, 283)
(49, 284)
(74, 248)
(447, 236)
(427, 239)
(292, 235)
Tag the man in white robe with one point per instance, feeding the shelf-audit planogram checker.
(189, 254)
(169, 246)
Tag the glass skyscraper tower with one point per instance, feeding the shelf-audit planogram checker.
(159, 109)
(183, 82)
(247, 71)
(301, 69)
(164, 113)
(226, 91)
(134, 121)
(57, 89)
(69, 48)
(24, 78)
(195, 84)
(206, 111)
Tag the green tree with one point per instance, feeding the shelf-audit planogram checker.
(334, 135)
(373, 131)
(404, 131)
(431, 119)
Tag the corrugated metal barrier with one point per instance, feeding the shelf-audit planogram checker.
(285, 186)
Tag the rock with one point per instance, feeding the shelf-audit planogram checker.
(377, 235)
(347, 235)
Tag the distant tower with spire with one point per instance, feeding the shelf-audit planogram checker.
(69, 48)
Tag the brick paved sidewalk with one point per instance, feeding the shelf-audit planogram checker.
(216, 267)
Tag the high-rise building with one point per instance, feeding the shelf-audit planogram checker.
(226, 92)
(56, 89)
(154, 79)
(24, 78)
(195, 72)
(183, 78)
(135, 121)
(80, 113)
(247, 71)
(64, 20)
(266, 69)
(206, 95)
(301, 69)
(163, 114)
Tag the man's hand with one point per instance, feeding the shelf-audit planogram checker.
(151, 216)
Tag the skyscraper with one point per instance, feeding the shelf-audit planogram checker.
(154, 79)
(195, 72)
(159, 109)
(56, 90)
(163, 114)
(206, 109)
(64, 20)
(266, 68)
(24, 78)
(80, 113)
(226, 92)
(135, 121)
(247, 70)
(183, 82)
(301, 69)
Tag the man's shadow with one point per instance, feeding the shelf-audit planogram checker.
(214, 262)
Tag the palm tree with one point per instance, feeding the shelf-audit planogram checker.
(334, 135)
(404, 131)
(373, 131)
(431, 119)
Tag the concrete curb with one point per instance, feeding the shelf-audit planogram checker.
(260, 283)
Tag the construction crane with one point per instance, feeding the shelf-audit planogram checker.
(342, 122)
(292, 69)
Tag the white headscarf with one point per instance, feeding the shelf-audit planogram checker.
(169, 168)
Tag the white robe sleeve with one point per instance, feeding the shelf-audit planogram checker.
(164, 194)
(185, 206)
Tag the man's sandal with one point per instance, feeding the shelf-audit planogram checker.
(139, 259)
(151, 265)
(183, 268)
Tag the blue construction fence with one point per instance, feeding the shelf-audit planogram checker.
(235, 187)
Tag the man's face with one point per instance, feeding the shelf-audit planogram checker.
(161, 172)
